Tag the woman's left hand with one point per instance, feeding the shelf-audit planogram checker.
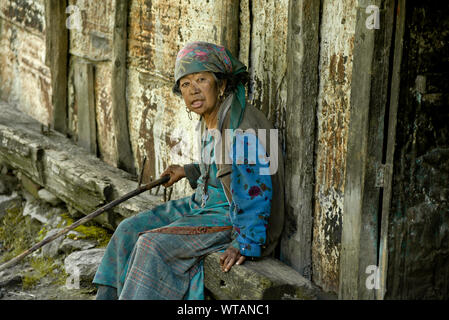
(230, 257)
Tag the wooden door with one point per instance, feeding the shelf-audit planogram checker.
(414, 246)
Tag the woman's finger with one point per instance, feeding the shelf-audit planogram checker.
(240, 260)
(168, 172)
(229, 263)
(223, 258)
(225, 263)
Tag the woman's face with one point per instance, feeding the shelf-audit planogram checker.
(200, 92)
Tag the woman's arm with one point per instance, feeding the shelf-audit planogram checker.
(251, 201)
(192, 173)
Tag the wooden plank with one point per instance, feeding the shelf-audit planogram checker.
(125, 159)
(302, 90)
(230, 25)
(388, 178)
(357, 251)
(256, 280)
(84, 87)
(371, 207)
(56, 36)
(77, 177)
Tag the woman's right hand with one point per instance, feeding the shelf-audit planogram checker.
(176, 173)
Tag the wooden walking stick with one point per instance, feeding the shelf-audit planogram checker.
(85, 219)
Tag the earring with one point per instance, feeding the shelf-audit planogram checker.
(189, 113)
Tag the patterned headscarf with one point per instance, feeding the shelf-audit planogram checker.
(203, 56)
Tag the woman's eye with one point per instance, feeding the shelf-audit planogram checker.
(184, 85)
(201, 79)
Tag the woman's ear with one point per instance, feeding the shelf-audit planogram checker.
(223, 86)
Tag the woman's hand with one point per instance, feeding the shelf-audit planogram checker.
(176, 173)
(230, 257)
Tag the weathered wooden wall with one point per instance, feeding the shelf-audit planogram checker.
(158, 124)
(302, 91)
(92, 44)
(159, 128)
(263, 47)
(24, 77)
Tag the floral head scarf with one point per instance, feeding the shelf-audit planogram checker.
(203, 56)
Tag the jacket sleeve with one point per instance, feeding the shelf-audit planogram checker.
(193, 173)
(251, 195)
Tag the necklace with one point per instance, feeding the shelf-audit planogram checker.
(205, 194)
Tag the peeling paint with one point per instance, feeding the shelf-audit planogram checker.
(26, 14)
(267, 57)
(337, 37)
(94, 40)
(106, 139)
(24, 77)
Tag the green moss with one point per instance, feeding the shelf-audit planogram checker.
(43, 267)
(88, 231)
(17, 233)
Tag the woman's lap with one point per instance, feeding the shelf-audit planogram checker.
(162, 265)
(112, 267)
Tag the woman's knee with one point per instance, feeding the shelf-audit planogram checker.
(130, 225)
(125, 225)
(151, 240)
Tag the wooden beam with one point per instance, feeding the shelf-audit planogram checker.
(359, 233)
(391, 139)
(302, 92)
(256, 280)
(56, 37)
(125, 159)
(375, 168)
(230, 20)
(80, 179)
(84, 87)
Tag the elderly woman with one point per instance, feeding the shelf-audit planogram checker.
(158, 254)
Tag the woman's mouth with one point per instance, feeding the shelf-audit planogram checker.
(197, 103)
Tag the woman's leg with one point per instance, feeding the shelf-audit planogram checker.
(163, 265)
(106, 293)
(114, 263)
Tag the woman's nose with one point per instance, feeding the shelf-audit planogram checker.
(194, 88)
